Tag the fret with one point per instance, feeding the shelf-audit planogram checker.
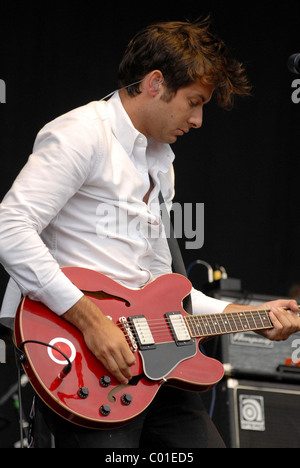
(226, 322)
(244, 322)
(257, 319)
(222, 323)
(194, 326)
(230, 322)
(200, 327)
(233, 316)
(251, 322)
(264, 318)
(191, 326)
(237, 322)
(213, 324)
(206, 325)
(248, 322)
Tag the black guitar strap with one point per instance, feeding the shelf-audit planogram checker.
(177, 260)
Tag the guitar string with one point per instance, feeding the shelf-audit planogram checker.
(212, 324)
(162, 328)
(206, 324)
(205, 320)
(222, 317)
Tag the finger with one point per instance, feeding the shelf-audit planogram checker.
(293, 305)
(286, 317)
(124, 359)
(275, 318)
(118, 369)
(285, 323)
(283, 303)
(128, 356)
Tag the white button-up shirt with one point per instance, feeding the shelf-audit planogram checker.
(79, 202)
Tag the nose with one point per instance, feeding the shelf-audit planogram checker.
(196, 119)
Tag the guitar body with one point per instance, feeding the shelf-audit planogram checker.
(88, 395)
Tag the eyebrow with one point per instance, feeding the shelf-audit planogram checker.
(204, 100)
(199, 94)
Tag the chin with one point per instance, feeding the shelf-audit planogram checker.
(169, 140)
(173, 140)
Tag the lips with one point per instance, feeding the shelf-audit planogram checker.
(183, 131)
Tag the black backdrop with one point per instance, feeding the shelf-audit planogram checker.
(243, 165)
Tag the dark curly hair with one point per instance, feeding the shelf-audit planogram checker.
(184, 52)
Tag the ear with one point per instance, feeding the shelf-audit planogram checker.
(155, 79)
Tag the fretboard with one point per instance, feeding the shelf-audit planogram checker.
(231, 322)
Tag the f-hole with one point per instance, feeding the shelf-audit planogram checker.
(101, 295)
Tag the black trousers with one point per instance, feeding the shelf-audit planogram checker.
(175, 419)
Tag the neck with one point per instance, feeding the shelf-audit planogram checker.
(231, 322)
(135, 109)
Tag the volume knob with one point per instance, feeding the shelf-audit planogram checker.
(105, 381)
(83, 392)
(105, 410)
(126, 399)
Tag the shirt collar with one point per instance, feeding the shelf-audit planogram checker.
(127, 135)
(121, 125)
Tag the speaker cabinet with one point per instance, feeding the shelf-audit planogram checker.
(252, 414)
(248, 355)
(251, 356)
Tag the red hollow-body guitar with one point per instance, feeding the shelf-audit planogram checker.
(164, 338)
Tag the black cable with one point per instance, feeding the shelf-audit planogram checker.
(66, 369)
(20, 409)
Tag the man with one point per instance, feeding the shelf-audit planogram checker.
(117, 154)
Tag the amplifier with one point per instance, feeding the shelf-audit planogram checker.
(250, 355)
(252, 414)
(253, 356)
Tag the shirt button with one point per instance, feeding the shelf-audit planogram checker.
(140, 140)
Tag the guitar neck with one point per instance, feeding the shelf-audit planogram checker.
(228, 322)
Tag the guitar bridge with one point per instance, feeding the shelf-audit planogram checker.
(128, 334)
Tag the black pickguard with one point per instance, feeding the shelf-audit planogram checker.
(160, 361)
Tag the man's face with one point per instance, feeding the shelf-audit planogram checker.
(173, 118)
